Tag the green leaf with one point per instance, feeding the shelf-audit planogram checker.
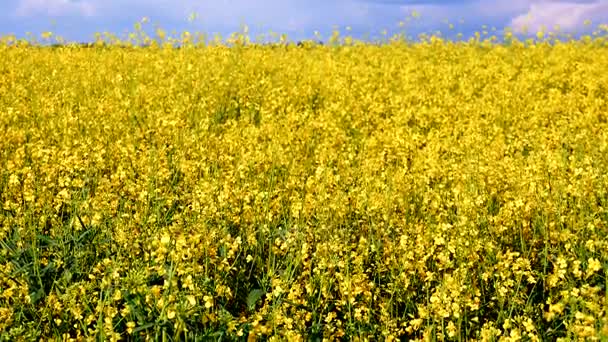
(254, 296)
(143, 327)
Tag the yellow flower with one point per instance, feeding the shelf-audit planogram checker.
(13, 180)
(594, 266)
(208, 302)
(451, 328)
(130, 326)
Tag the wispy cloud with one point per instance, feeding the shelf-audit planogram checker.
(569, 16)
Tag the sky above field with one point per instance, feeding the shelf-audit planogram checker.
(78, 20)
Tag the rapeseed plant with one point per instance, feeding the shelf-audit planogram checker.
(434, 190)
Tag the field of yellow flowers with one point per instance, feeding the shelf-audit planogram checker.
(432, 190)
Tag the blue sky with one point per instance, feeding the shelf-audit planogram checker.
(78, 20)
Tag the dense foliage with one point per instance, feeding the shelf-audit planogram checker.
(432, 190)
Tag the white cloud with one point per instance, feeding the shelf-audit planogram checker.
(569, 16)
(54, 8)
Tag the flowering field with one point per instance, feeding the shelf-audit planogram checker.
(436, 190)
